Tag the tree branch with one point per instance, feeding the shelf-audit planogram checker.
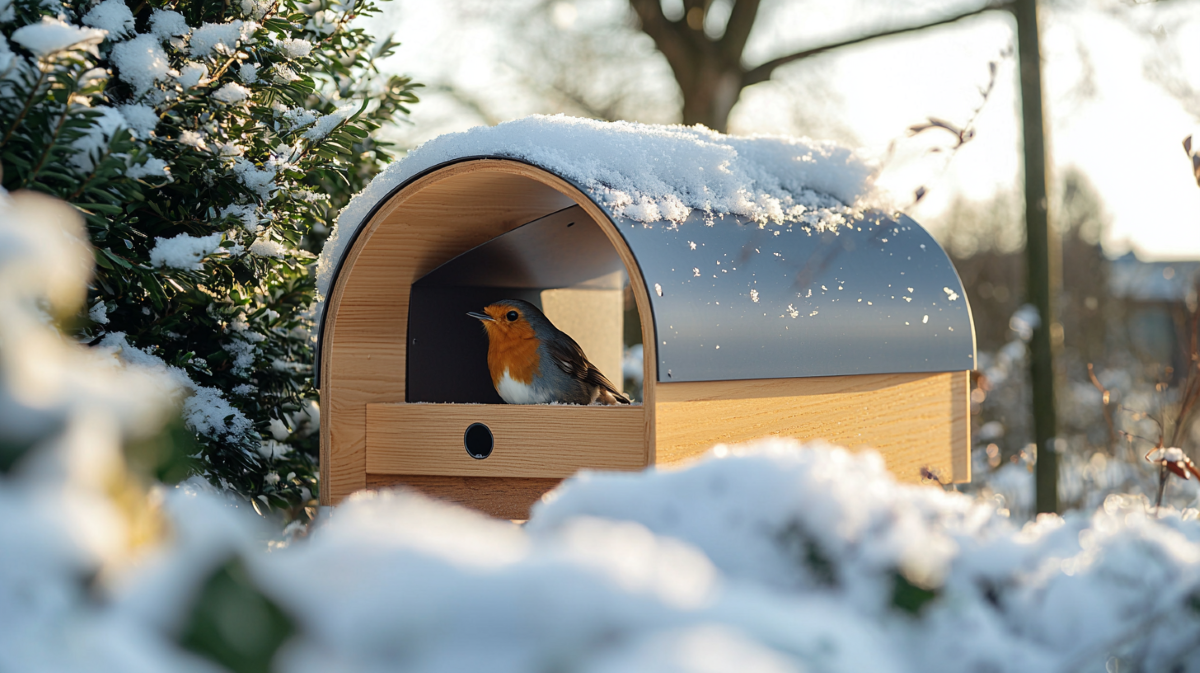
(763, 72)
(668, 38)
(737, 29)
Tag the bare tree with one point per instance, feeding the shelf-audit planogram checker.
(710, 70)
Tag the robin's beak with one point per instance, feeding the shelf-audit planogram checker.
(481, 316)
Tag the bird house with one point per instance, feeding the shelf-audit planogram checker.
(817, 322)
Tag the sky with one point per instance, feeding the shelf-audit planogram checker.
(1108, 117)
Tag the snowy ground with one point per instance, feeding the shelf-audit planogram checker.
(766, 557)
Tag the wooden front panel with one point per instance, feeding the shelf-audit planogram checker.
(914, 420)
(543, 441)
(435, 218)
(501, 497)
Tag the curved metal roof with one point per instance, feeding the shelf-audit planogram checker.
(732, 299)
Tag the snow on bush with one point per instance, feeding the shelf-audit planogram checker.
(325, 124)
(167, 24)
(267, 248)
(113, 16)
(141, 118)
(183, 251)
(52, 35)
(231, 93)
(205, 409)
(141, 62)
(221, 37)
(190, 75)
(644, 172)
(296, 48)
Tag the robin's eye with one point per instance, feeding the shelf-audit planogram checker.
(512, 315)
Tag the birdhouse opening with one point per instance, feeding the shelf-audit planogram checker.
(562, 263)
(396, 337)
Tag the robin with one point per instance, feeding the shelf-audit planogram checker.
(533, 362)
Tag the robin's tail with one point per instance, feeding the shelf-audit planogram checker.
(608, 392)
(612, 397)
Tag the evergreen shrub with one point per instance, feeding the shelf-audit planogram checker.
(209, 146)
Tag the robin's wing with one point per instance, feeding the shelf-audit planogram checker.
(570, 358)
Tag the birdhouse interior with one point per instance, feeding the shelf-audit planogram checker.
(562, 263)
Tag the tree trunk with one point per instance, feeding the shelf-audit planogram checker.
(711, 97)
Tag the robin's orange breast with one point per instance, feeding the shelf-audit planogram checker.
(514, 351)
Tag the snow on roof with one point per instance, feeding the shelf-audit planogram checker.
(643, 172)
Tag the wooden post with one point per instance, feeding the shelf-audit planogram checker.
(1041, 255)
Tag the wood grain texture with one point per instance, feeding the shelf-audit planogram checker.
(914, 420)
(501, 497)
(960, 427)
(544, 441)
(437, 217)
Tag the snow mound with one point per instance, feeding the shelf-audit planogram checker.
(462, 592)
(819, 523)
(644, 172)
(760, 508)
(771, 557)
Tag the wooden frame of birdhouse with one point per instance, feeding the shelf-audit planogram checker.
(865, 340)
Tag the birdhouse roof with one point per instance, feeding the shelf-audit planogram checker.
(758, 255)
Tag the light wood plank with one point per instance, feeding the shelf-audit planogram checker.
(914, 420)
(544, 441)
(960, 428)
(501, 497)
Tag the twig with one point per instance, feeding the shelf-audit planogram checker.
(763, 72)
(1163, 473)
(1105, 400)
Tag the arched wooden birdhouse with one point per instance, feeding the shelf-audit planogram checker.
(768, 305)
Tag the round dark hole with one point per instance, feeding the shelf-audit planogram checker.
(478, 440)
